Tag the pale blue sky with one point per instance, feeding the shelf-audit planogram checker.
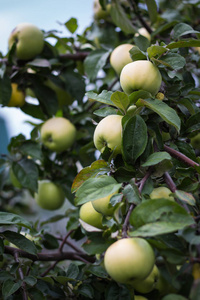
(45, 14)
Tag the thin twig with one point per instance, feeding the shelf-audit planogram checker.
(21, 275)
(170, 182)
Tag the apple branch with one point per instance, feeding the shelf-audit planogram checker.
(54, 256)
(180, 156)
(132, 206)
(21, 275)
(169, 182)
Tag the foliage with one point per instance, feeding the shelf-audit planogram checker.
(67, 263)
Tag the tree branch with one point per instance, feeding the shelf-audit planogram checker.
(21, 275)
(169, 182)
(140, 18)
(181, 156)
(55, 256)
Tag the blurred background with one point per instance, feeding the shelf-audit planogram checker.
(47, 15)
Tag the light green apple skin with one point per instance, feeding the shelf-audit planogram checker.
(161, 192)
(142, 31)
(149, 283)
(101, 205)
(120, 57)
(129, 259)
(195, 141)
(140, 75)
(50, 196)
(108, 132)
(90, 216)
(58, 134)
(29, 41)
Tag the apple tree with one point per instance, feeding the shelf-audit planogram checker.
(123, 183)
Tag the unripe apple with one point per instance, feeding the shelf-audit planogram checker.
(142, 31)
(140, 75)
(108, 132)
(29, 41)
(50, 196)
(149, 283)
(129, 259)
(90, 216)
(120, 57)
(101, 205)
(195, 141)
(161, 192)
(17, 98)
(58, 134)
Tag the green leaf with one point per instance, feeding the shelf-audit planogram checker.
(174, 296)
(182, 29)
(155, 50)
(86, 290)
(95, 61)
(172, 60)
(120, 100)
(33, 110)
(184, 43)
(120, 19)
(39, 62)
(156, 158)
(5, 90)
(20, 241)
(137, 54)
(72, 25)
(75, 84)
(30, 280)
(152, 9)
(95, 188)
(131, 193)
(72, 271)
(105, 111)
(98, 271)
(134, 138)
(99, 166)
(135, 96)
(10, 287)
(185, 197)
(26, 172)
(167, 113)
(13, 219)
(97, 245)
(117, 292)
(159, 216)
(103, 97)
(1, 246)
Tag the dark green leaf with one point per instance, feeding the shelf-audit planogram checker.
(72, 271)
(167, 113)
(20, 241)
(120, 18)
(134, 139)
(172, 60)
(30, 280)
(95, 61)
(10, 287)
(5, 90)
(185, 197)
(26, 172)
(137, 54)
(131, 193)
(133, 97)
(12, 219)
(86, 290)
(182, 29)
(152, 9)
(74, 84)
(97, 245)
(184, 43)
(117, 292)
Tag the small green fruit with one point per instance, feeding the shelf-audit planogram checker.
(90, 216)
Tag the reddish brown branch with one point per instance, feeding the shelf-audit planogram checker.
(169, 182)
(181, 156)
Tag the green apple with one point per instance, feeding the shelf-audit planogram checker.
(17, 98)
(50, 196)
(131, 110)
(161, 192)
(101, 205)
(29, 41)
(120, 57)
(58, 134)
(142, 31)
(138, 297)
(149, 283)
(140, 75)
(90, 216)
(195, 141)
(129, 259)
(108, 132)
(99, 13)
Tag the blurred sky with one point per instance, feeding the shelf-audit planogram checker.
(46, 14)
